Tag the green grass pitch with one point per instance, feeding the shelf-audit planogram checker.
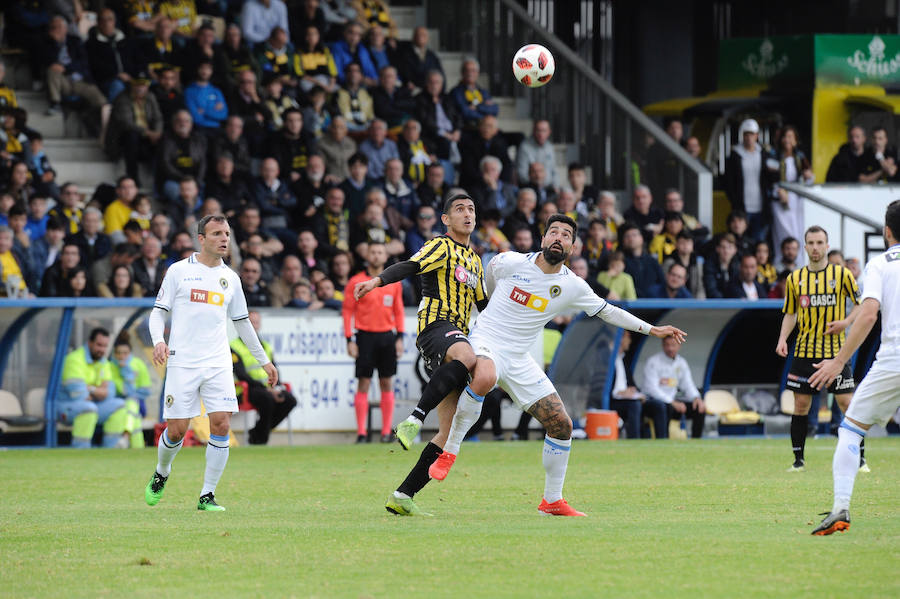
(714, 518)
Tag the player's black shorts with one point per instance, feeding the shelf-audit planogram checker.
(435, 340)
(802, 369)
(376, 351)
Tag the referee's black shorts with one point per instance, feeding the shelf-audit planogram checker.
(435, 341)
(802, 369)
(376, 351)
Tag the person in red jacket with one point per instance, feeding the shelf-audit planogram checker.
(378, 341)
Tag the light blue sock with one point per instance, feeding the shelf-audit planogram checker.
(556, 461)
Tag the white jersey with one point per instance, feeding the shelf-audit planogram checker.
(664, 377)
(523, 298)
(200, 299)
(882, 276)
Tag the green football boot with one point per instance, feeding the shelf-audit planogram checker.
(154, 490)
(404, 507)
(407, 431)
(208, 503)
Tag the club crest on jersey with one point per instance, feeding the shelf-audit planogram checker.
(202, 296)
(555, 290)
(169, 401)
(832, 284)
(529, 300)
(223, 282)
(465, 277)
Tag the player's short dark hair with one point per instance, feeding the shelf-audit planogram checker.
(96, 332)
(892, 218)
(216, 218)
(565, 219)
(448, 204)
(815, 229)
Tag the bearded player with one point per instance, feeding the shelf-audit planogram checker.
(526, 292)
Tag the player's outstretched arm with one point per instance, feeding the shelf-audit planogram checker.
(668, 330)
(827, 370)
(391, 274)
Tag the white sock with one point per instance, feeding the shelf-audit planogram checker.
(414, 419)
(846, 464)
(216, 458)
(556, 460)
(400, 495)
(468, 410)
(166, 453)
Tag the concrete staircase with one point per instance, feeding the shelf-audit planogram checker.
(81, 160)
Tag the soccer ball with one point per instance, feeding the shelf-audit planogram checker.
(533, 65)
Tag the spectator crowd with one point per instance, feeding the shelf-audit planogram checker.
(317, 131)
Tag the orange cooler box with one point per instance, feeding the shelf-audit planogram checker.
(602, 424)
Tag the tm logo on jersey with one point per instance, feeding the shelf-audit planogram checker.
(535, 302)
(202, 296)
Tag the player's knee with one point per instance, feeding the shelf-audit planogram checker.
(482, 382)
(560, 427)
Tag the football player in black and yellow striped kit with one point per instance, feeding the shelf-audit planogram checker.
(452, 281)
(815, 302)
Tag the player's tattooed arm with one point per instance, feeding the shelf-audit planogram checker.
(551, 413)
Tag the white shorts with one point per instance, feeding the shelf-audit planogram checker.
(517, 372)
(185, 387)
(876, 398)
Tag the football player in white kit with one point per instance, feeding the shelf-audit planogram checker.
(526, 292)
(878, 396)
(200, 292)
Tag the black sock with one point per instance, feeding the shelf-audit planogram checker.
(418, 476)
(862, 450)
(798, 434)
(449, 376)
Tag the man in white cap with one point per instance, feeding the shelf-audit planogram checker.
(749, 178)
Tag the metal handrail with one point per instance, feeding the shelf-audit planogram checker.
(560, 48)
(806, 192)
(584, 109)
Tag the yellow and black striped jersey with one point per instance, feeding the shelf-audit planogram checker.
(452, 280)
(819, 298)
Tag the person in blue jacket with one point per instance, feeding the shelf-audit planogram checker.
(204, 100)
(350, 49)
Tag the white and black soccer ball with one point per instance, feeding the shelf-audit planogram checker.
(533, 65)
